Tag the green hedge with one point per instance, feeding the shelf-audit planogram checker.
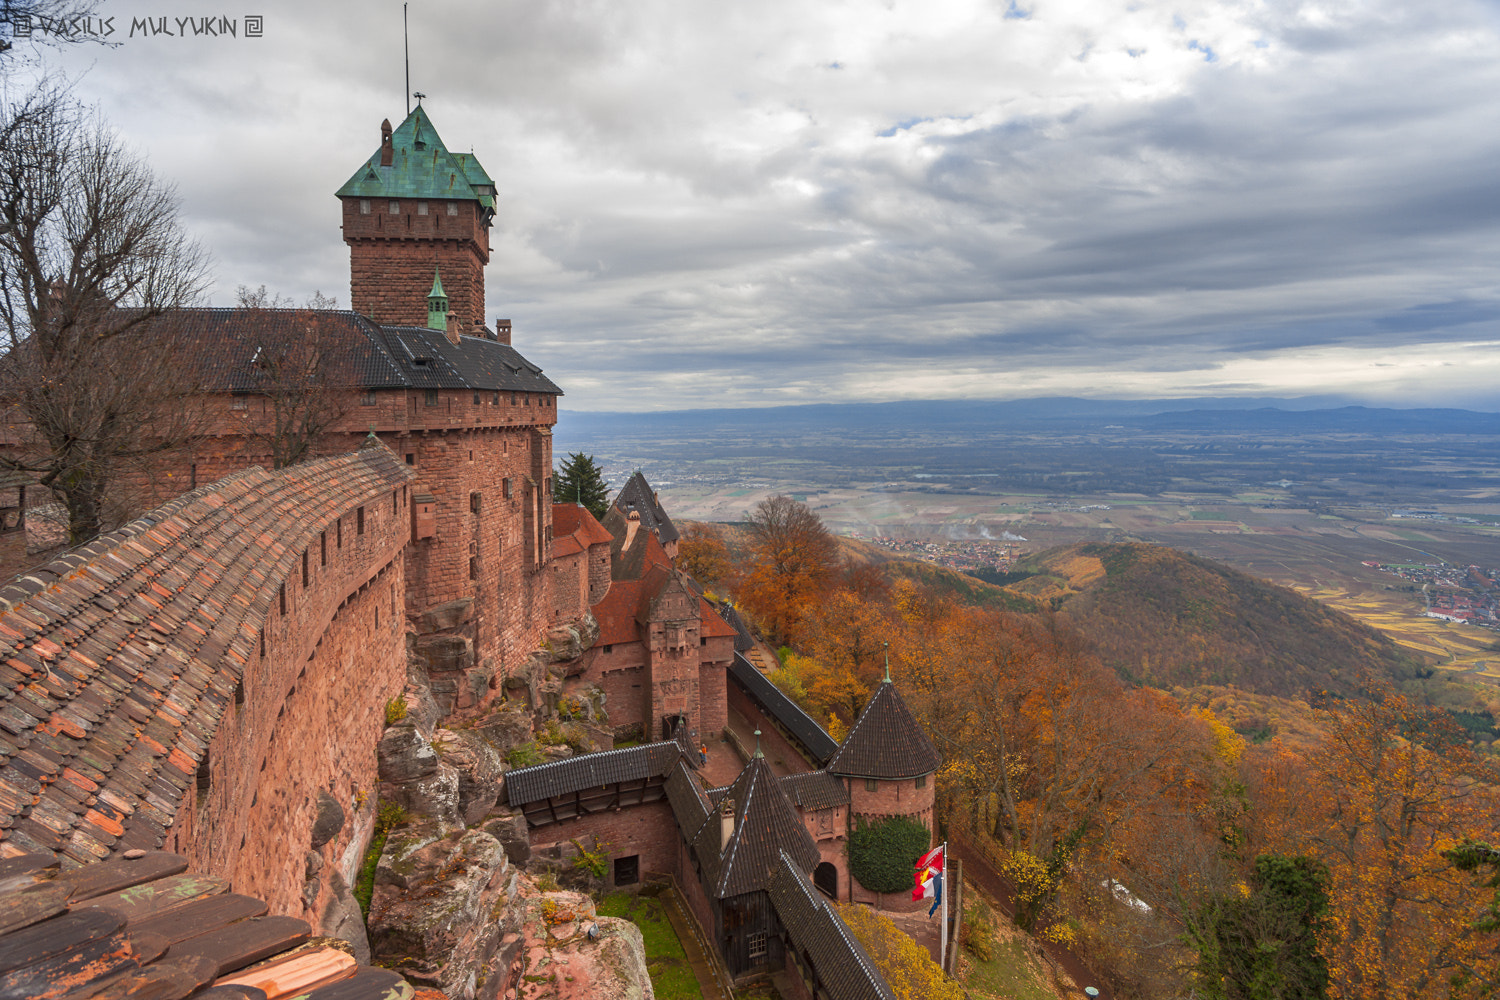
(882, 856)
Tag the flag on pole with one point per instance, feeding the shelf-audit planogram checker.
(932, 859)
(926, 884)
(938, 881)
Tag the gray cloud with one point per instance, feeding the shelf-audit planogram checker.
(704, 205)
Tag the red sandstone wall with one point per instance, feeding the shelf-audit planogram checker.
(892, 798)
(649, 831)
(313, 707)
(391, 259)
(570, 586)
(598, 572)
(711, 699)
(775, 746)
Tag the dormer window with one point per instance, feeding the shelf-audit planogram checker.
(421, 208)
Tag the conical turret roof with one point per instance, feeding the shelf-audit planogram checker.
(886, 741)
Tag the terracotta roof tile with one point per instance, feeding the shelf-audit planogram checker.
(117, 660)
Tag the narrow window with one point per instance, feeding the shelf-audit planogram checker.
(421, 208)
(547, 485)
(509, 492)
(281, 596)
(452, 208)
(322, 548)
(364, 206)
(377, 616)
(512, 399)
(240, 694)
(871, 784)
(922, 781)
(395, 208)
(476, 397)
(473, 568)
(403, 499)
(471, 454)
(495, 399)
(340, 523)
(475, 502)
(368, 399)
(411, 459)
(359, 521)
(193, 477)
(304, 567)
(431, 397)
(395, 504)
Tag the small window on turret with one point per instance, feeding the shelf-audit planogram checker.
(871, 785)
(395, 208)
(421, 208)
(922, 781)
(364, 206)
(452, 208)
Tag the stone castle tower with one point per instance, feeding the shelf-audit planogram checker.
(411, 207)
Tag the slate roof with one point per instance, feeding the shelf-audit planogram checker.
(590, 770)
(637, 495)
(421, 167)
(118, 659)
(142, 927)
(743, 640)
(783, 709)
(689, 805)
(886, 741)
(838, 959)
(224, 342)
(765, 827)
(814, 790)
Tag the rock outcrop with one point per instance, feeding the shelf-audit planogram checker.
(569, 952)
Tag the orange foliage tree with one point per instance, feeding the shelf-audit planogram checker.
(793, 558)
(1393, 786)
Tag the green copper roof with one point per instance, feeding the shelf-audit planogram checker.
(421, 167)
(437, 286)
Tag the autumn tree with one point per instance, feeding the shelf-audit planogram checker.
(792, 560)
(581, 481)
(905, 966)
(93, 262)
(703, 553)
(1391, 789)
(298, 362)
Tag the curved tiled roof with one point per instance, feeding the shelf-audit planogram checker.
(886, 741)
(118, 659)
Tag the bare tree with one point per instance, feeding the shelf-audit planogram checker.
(51, 23)
(298, 360)
(93, 263)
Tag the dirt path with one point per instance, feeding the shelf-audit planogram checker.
(978, 870)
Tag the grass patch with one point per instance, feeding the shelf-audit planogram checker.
(387, 818)
(666, 961)
(1210, 515)
(1009, 970)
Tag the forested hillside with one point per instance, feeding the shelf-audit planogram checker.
(1165, 618)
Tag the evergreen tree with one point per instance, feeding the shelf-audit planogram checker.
(580, 481)
(1264, 946)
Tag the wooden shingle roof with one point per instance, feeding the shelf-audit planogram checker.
(886, 741)
(117, 660)
(144, 927)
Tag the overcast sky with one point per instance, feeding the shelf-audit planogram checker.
(708, 204)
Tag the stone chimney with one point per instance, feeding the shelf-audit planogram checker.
(726, 822)
(386, 148)
(502, 330)
(632, 525)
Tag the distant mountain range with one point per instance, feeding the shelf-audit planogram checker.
(1225, 414)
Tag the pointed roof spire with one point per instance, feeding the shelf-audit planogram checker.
(885, 742)
(765, 824)
(887, 646)
(437, 304)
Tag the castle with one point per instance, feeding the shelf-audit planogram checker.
(211, 678)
